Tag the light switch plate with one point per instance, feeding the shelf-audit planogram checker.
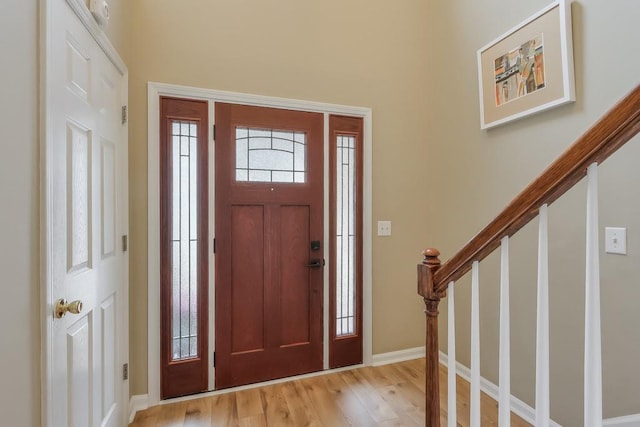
(384, 228)
(615, 240)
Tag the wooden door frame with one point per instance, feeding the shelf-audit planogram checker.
(47, 12)
(154, 92)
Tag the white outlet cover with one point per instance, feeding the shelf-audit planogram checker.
(384, 228)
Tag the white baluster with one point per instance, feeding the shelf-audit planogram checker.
(504, 417)
(542, 333)
(451, 362)
(592, 350)
(475, 347)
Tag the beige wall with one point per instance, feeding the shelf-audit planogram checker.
(362, 53)
(436, 175)
(480, 171)
(20, 332)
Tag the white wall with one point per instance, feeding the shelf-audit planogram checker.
(19, 281)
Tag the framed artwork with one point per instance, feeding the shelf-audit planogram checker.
(529, 68)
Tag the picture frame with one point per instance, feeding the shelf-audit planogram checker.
(529, 68)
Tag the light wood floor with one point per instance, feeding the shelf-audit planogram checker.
(389, 395)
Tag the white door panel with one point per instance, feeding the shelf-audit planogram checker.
(85, 213)
(78, 374)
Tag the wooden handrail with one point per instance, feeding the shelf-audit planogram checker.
(604, 138)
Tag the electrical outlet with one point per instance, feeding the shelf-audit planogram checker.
(615, 240)
(384, 228)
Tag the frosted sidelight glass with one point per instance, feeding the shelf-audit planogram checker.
(345, 235)
(184, 205)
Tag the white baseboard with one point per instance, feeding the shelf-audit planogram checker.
(139, 402)
(627, 421)
(397, 356)
(518, 407)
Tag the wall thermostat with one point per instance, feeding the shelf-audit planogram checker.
(100, 11)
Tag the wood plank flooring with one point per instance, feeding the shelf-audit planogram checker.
(389, 395)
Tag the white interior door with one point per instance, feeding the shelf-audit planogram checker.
(86, 217)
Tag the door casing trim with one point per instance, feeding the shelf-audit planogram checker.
(154, 91)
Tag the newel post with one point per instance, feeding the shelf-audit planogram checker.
(426, 289)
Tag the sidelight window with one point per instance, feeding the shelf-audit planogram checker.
(345, 245)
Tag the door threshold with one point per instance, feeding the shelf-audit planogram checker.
(256, 385)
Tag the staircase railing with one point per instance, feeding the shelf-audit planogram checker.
(605, 137)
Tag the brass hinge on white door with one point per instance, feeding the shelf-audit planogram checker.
(125, 371)
(124, 114)
(125, 243)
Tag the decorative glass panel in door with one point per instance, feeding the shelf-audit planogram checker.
(267, 155)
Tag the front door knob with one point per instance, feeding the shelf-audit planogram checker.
(62, 307)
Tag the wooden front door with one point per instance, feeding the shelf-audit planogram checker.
(269, 229)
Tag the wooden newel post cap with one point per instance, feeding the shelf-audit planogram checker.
(431, 256)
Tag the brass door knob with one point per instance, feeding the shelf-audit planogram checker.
(62, 307)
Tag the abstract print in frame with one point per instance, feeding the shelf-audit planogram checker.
(529, 68)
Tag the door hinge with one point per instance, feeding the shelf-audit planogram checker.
(125, 243)
(214, 132)
(125, 371)
(214, 246)
(214, 359)
(124, 114)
